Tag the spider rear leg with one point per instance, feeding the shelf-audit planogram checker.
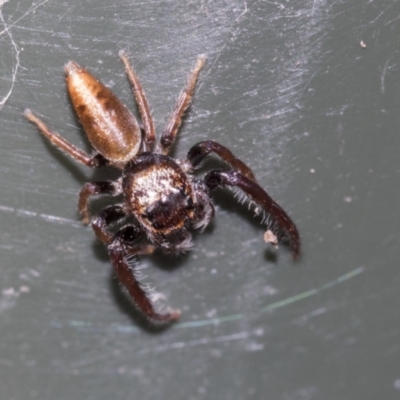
(118, 252)
(256, 193)
(93, 161)
(92, 189)
(200, 150)
(147, 120)
(183, 103)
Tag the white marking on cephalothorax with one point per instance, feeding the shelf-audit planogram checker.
(155, 185)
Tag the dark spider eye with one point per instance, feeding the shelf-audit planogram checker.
(129, 234)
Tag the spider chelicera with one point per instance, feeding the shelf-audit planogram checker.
(160, 194)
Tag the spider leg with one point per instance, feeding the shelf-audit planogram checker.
(256, 193)
(94, 188)
(106, 217)
(58, 141)
(183, 103)
(200, 150)
(126, 274)
(112, 214)
(147, 120)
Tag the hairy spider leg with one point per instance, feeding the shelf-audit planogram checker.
(183, 103)
(90, 189)
(93, 161)
(112, 214)
(145, 115)
(100, 223)
(120, 245)
(200, 150)
(118, 251)
(256, 193)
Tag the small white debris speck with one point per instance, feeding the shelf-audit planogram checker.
(9, 292)
(270, 237)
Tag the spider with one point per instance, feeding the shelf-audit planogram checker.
(160, 194)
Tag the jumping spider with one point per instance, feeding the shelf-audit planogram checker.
(159, 193)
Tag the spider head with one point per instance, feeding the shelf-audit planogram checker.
(160, 196)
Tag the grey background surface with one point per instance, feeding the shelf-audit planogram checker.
(291, 88)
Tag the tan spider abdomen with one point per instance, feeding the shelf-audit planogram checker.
(110, 126)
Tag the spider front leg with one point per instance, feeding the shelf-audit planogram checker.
(184, 100)
(199, 151)
(110, 215)
(93, 161)
(118, 251)
(256, 193)
(120, 246)
(100, 223)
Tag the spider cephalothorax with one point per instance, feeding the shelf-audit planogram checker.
(160, 194)
(162, 198)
